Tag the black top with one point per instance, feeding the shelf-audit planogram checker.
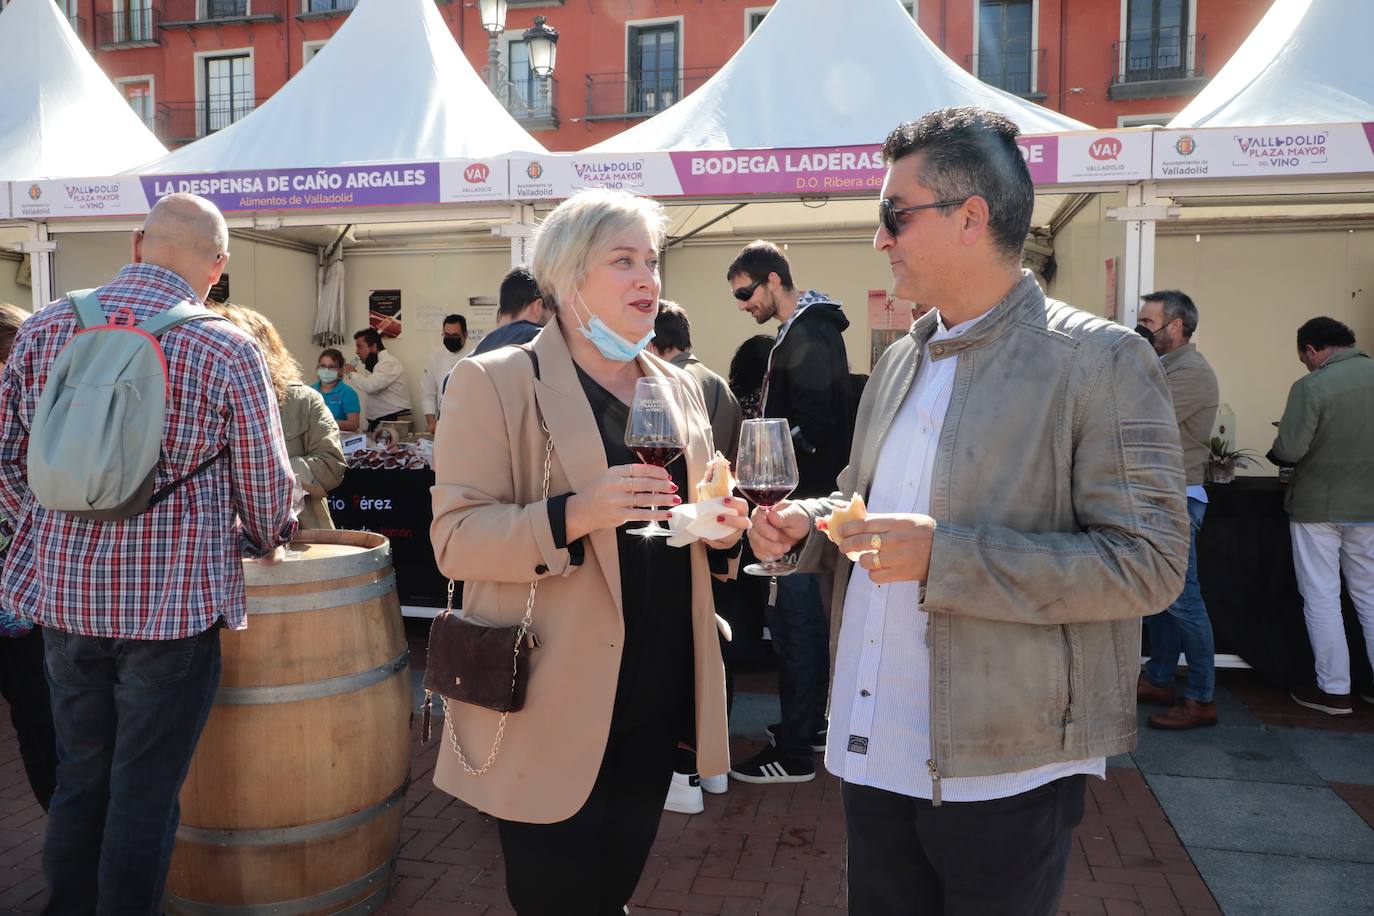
(656, 676)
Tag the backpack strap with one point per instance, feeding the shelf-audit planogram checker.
(89, 312)
(178, 314)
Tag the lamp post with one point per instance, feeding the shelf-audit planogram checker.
(493, 13)
(542, 39)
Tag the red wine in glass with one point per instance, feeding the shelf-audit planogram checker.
(765, 497)
(658, 455)
(767, 472)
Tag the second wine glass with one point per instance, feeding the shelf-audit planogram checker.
(656, 433)
(767, 472)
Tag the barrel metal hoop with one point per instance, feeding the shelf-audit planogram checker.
(286, 836)
(380, 876)
(322, 569)
(313, 690)
(319, 601)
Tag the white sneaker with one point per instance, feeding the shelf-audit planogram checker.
(684, 794)
(716, 785)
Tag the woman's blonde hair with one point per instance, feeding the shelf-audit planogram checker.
(281, 365)
(11, 317)
(579, 228)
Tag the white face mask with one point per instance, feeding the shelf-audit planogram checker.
(327, 375)
(611, 344)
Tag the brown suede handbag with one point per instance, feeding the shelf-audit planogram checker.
(485, 666)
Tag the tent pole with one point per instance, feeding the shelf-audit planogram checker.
(1141, 212)
(40, 250)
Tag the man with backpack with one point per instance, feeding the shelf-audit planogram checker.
(141, 456)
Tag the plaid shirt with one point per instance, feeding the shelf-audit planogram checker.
(174, 570)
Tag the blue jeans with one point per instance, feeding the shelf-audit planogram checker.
(801, 640)
(1185, 625)
(128, 714)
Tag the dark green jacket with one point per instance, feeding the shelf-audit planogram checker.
(1327, 431)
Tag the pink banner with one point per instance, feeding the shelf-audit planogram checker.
(826, 170)
(1042, 158)
(1369, 135)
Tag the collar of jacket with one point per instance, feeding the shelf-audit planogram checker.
(1024, 297)
(1343, 354)
(1173, 356)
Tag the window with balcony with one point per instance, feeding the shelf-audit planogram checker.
(1159, 57)
(228, 92)
(1004, 45)
(225, 9)
(652, 82)
(129, 23)
(329, 6)
(139, 94)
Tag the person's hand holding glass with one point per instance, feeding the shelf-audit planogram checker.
(767, 472)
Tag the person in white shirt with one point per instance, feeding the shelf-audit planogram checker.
(380, 376)
(440, 365)
(1021, 464)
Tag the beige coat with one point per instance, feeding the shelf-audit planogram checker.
(1193, 387)
(312, 442)
(491, 530)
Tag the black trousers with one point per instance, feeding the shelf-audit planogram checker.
(1006, 857)
(25, 688)
(589, 864)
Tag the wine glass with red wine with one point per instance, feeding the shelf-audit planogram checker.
(657, 433)
(767, 472)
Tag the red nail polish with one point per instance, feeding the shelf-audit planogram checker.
(720, 518)
(677, 500)
(674, 486)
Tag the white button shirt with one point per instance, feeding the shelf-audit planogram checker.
(880, 701)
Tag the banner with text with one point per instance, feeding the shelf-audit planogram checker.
(1264, 152)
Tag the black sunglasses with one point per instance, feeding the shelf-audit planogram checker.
(745, 293)
(887, 214)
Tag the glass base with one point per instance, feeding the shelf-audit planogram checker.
(772, 568)
(650, 530)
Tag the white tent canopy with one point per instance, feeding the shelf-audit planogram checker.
(391, 85)
(1307, 62)
(61, 117)
(819, 73)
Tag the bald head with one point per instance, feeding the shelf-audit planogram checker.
(187, 235)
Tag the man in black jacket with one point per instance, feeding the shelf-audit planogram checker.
(808, 383)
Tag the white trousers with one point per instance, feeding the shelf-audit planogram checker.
(1321, 553)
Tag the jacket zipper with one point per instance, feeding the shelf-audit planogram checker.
(931, 766)
(1068, 679)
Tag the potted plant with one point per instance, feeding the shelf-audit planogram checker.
(1223, 460)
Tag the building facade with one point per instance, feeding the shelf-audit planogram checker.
(191, 67)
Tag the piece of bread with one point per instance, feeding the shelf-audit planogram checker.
(718, 481)
(854, 510)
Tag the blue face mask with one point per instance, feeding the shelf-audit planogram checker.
(608, 342)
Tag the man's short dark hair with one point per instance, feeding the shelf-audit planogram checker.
(968, 152)
(457, 319)
(370, 337)
(518, 290)
(1175, 304)
(758, 260)
(672, 330)
(1323, 332)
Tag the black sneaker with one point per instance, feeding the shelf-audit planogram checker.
(767, 767)
(817, 740)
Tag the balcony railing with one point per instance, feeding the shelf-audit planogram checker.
(1017, 72)
(179, 13)
(82, 29)
(625, 95)
(127, 28)
(182, 122)
(1159, 64)
(323, 9)
(534, 105)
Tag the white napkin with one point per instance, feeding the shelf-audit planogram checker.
(697, 521)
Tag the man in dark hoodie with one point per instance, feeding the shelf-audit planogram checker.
(808, 383)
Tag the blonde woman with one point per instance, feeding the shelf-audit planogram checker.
(312, 434)
(628, 655)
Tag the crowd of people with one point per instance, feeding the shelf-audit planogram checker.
(964, 654)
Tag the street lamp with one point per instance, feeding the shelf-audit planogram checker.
(542, 39)
(493, 14)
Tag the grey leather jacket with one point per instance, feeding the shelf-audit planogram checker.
(1061, 515)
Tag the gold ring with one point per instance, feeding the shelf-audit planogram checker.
(875, 542)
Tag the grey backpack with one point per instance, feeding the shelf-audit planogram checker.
(96, 435)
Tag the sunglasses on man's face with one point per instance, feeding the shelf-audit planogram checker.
(745, 293)
(887, 213)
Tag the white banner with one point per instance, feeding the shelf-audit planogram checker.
(554, 177)
(1122, 155)
(1264, 152)
(119, 196)
(463, 180)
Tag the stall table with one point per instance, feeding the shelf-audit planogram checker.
(396, 504)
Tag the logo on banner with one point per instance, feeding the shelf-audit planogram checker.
(1279, 151)
(35, 192)
(477, 173)
(1106, 149)
(534, 170)
(1185, 145)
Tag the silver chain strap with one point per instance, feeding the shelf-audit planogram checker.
(519, 639)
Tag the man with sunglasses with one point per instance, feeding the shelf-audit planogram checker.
(1021, 464)
(807, 381)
